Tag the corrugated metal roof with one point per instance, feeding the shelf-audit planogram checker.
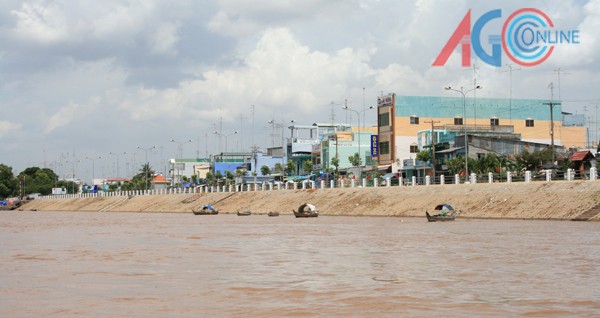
(579, 155)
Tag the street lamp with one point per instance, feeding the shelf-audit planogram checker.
(282, 126)
(464, 95)
(345, 107)
(146, 166)
(93, 166)
(180, 146)
(116, 155)
(226, 136)
(180, 150)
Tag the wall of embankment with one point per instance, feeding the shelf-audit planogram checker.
(561, 200)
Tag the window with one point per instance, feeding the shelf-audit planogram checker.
(494, 122)
(384, 148)
(458, 121)
(414, 148)
(414, 120)
(384, 119)
(529, 123)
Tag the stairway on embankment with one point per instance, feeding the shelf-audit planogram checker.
(588, 215)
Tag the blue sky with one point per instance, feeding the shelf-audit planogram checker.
(86, 78)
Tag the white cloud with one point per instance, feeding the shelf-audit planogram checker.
(280, 73)
(67, 114)
(41, 23)
(165, 38)
(8, 127)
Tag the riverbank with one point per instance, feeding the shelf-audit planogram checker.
(560, 200)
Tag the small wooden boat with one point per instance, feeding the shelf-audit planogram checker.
(244, 213)
(306, 211)
(446, 213)
(273, 214)
(206, 210)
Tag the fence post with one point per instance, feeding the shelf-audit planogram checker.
(593, 175)
(508, 177)
(414, 181)
(456, 179)
(427, 180)
(442, 180)
(490, 177)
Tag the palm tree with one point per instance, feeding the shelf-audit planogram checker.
(335, 161)
(290, 167)
(455, 165)
(278, 168)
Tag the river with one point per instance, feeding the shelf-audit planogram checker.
(94, 264)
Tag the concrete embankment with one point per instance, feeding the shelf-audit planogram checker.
(562, 200)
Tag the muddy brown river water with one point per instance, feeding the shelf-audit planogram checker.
(65, 264)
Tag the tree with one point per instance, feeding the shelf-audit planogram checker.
(455, 165)
(229, 176)
(532, 160)
(335, 161)
(8, 182)
(355, 160)
(424, 155)
(141, 181)
(210, 178)
(218, 177)
(265, 170)
(70, 186)
(278, 168)
(241, 172)
(307, 166)
(290, 167)
(36, 180)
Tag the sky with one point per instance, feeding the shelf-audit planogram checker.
(85, 84)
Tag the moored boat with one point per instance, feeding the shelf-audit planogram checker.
(446, 213)
(206, 210)
(244, 213)
(306, 211)
(273, 214)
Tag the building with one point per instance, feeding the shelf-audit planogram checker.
(159, 183)
(321, 142)
(408, 124)
(180, 168)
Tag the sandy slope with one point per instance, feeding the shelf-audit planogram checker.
(536, 200)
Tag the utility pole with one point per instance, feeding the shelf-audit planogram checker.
(510, 71)
(253, 145)
(558, 71)
(241, 117)
(432, 145)
(551, 104)
(475, 68)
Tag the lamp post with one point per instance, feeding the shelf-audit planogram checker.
(272, 122)
(180, 146)
(226, 136)
(116, 155)
(93, 166)
(146, 166)
(345, 107)
(464, 96)
(180, 151)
